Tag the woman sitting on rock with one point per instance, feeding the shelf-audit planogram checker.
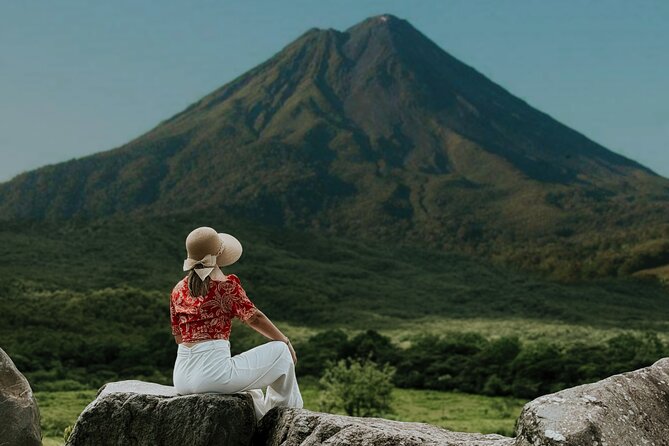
(202, 307)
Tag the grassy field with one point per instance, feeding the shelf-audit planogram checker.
(527, 330)
(454, 411)
(661, 272)
(450, 410)
(60, 409)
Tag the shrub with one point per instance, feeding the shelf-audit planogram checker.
(360, 387)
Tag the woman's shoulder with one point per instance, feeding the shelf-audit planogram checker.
(230, 283)
(228, 278)
(232, 277)
(180, 285)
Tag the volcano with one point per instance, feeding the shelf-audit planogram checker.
(374, 132)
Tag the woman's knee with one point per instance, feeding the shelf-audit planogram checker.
(279, 344)
(283, 349)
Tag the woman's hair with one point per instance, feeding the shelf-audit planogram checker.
(197, 286)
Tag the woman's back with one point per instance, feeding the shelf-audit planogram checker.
(209, 316)
(202, 306)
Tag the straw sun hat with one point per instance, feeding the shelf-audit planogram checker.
(209, 248)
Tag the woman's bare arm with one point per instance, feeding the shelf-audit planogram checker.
(261, 323)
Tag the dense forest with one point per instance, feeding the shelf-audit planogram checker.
(85, 303)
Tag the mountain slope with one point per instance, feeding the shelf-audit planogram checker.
(374, 132)
(308, 279)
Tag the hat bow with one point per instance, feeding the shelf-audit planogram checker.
(208, 261)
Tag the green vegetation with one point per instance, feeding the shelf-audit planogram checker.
(469, 362)
(466, 362)
(527, 330)
(70, 357)
(91, 305)
(60, 409)
(313, 281)
(456, 411)
(361, 388)
(661, 273)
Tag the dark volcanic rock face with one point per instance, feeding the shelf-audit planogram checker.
(19, 414)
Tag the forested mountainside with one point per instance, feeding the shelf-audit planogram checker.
(376, 132)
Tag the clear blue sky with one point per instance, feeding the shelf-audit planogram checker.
(78, 77)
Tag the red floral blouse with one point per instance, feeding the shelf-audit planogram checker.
(210, 316)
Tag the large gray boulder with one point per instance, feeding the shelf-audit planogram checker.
(19, 414)
(630, 409)
(147, 414)
(282, 426)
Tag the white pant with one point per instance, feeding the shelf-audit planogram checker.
(208, 367)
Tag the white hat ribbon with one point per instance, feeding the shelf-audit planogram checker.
(208, 261)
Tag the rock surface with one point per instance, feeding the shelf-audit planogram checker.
(283, 426)
(630, 409)
(147, 414)
(19, 414)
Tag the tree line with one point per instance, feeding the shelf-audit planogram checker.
(469, 362)
(465, 362)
